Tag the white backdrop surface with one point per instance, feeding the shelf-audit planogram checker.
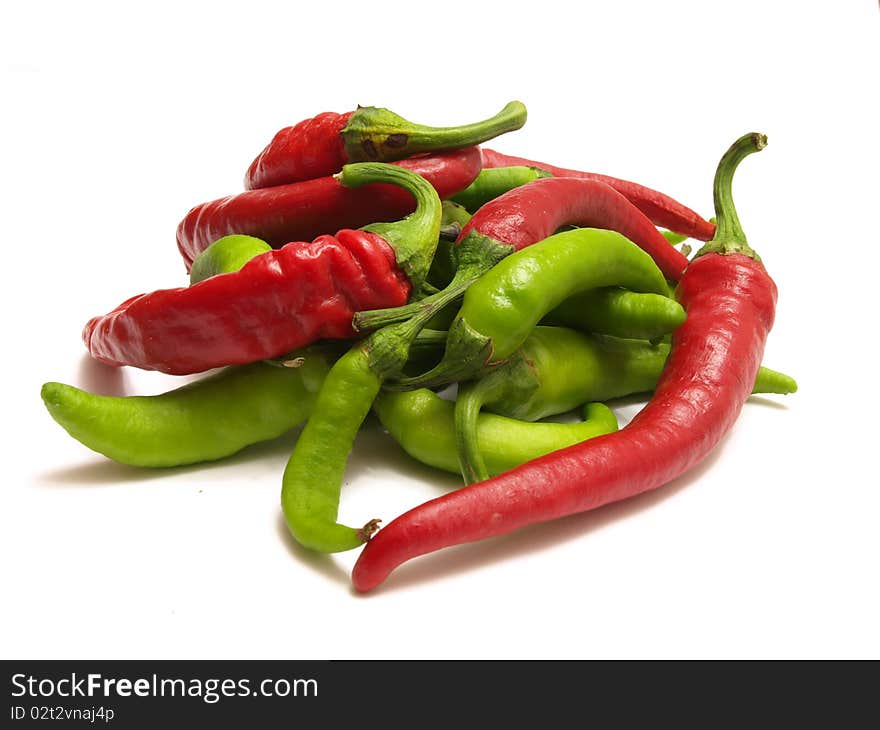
(117, 121)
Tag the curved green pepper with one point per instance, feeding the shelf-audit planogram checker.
(423, 424)
(619, 312)
(204, 420)
(557, 369)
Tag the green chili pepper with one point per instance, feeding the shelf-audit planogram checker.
(555, 370)
(204, 420)
(422, 423)
(312, 481)
(226, 254)
(501, 308)
(619, 312)
(493, 182)
(675, 238)
(608, 311)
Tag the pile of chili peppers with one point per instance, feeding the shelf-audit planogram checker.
(370, 263)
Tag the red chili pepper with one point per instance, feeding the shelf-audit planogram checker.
(730, 301)
(534, 211)
(301, 211)
(528, 214)
(320, 146)
(660, 208)
(280, 300)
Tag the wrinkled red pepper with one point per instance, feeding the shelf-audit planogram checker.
(281, 299)
(301, 211)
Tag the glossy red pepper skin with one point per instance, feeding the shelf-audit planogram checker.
(312, 148)
(303, 210)
(279, 301)
(530, 213)
(660, 208)
(730, 302)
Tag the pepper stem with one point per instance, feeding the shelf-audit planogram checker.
(427, 307)
(414, 237)
(514, 380)
(375, 134)
(467, 353)
(468, 405)
(474, 255)
(729, 236)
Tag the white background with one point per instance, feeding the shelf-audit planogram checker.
(117, 121)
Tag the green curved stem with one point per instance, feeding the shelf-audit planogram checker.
(414, 237)
(466, 414)
(729, 236)
(374, 134)
(428, 341)
(474, 255)
(467, 353)
(427, 307)
(515, 381)
(423, 424)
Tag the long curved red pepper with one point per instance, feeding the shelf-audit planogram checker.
(534, 211)
(660, 208)
(301, 211)
(730, 302)
(320, 146)
(280, 300)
